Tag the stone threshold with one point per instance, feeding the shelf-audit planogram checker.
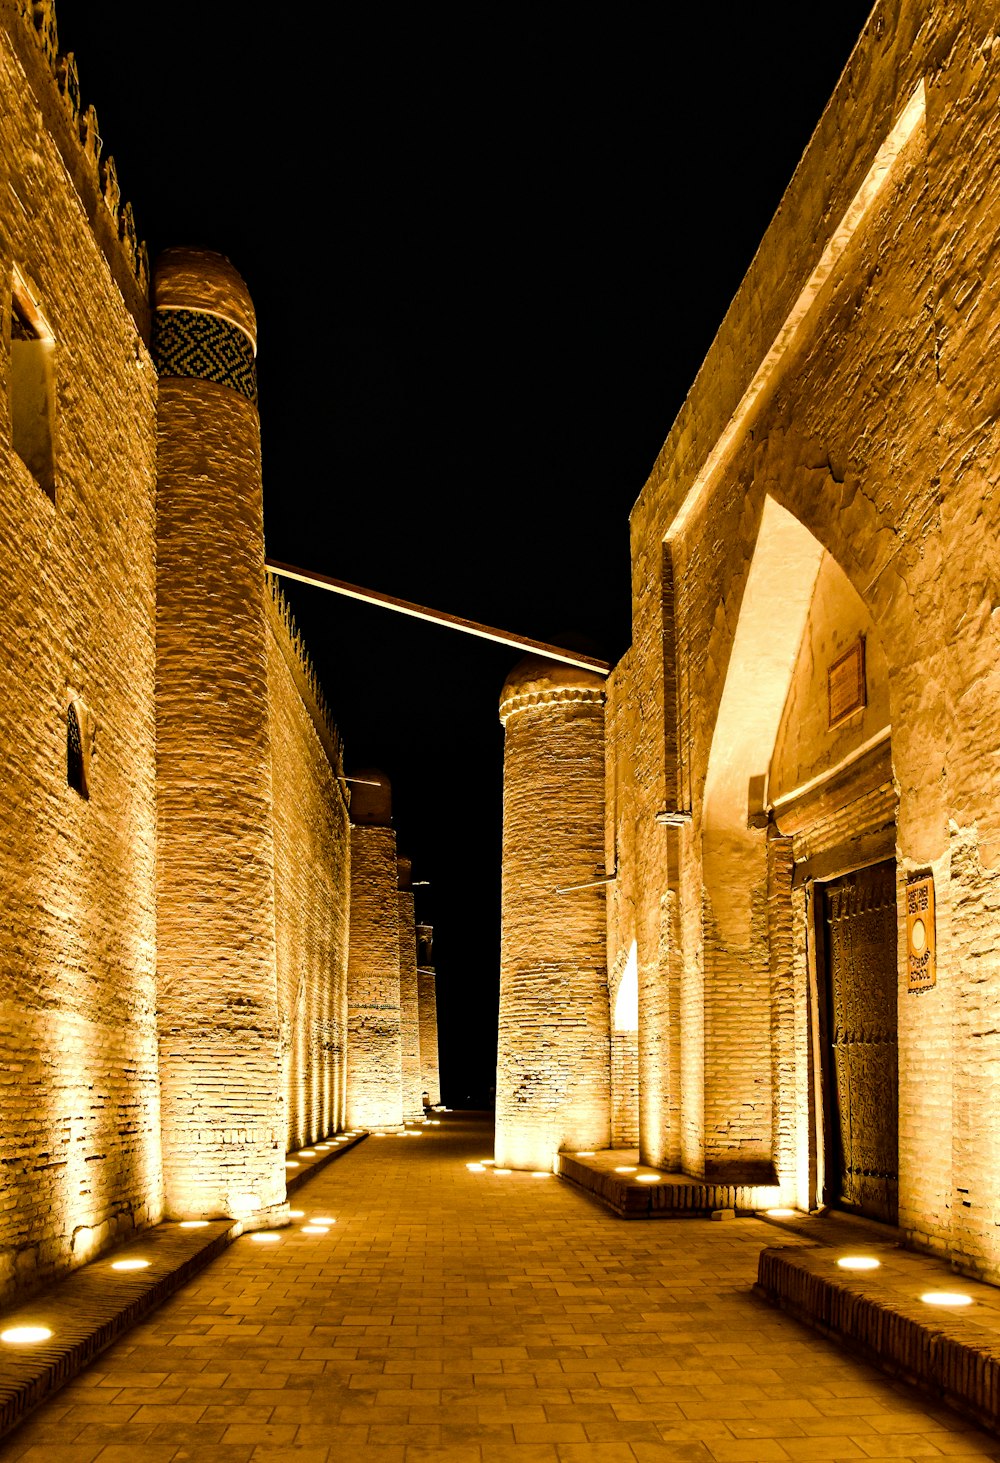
(91, 1307)
(649, 1193)
(951, 1353)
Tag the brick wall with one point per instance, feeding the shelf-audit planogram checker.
(311, 888)
(553, 1079)
(79, 1106)
(430, 1081)
(849, 383)
(374, 1050)
(409, 1010)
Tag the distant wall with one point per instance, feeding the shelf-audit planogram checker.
(311, 894)
(79, 1103)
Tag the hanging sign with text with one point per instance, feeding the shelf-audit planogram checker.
(920, 934)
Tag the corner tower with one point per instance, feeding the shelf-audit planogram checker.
(221, 1110)
(553, 1051)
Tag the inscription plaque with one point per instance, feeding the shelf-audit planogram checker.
(845, 683)
(921, 943)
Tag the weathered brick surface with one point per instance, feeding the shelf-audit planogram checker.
(409, 1007)
(553, 1078)
(222, 1099)
(311, 890)
(78, 1092)
(430, 1079)
(374, 1052)
(875, 426)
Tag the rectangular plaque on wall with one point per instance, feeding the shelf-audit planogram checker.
(845, 683)
(921, 942)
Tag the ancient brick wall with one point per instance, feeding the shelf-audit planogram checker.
(222, 1096)
(79, 1107)
(430, 1078)
(848, 384)
(553, 1077)
(409, 1001)
(311, 887)
(374, 1048)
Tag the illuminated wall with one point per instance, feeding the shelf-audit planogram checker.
(553, 1061)
(79, 1101)
(223, 1120)
(409, 1000)
(374, 1055)
(848, 388)
(311, 886)
(430, 1079)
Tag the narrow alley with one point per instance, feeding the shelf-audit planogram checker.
(438, 1313)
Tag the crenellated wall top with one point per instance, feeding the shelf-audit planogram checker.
(299, 662)
(76, 133)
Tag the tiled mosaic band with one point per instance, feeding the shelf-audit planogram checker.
(193, 343)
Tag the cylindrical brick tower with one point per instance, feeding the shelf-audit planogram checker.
(430, 1080)
(221, 1109)
(553, 1060)
(374, 1045)
(409, 1015)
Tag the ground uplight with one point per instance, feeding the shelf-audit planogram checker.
(541, 1173)
(503, 1170)
(315, 1229)
(647, 1178)
(586, 1153)
(858, 1262)
(129, 1264)
(476, 1167)
(307, 1153)
(290, 1163)
(322, 1219)
(626, 1169)
(193, 1223)
(265, 1236)
(781, 1213)
(946, 1298)
(25, 1335)
(296, 1213)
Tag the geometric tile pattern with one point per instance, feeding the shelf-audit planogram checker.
(193, 343)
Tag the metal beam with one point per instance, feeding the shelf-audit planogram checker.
(439, 617)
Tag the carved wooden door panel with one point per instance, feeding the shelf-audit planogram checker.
(857, 915)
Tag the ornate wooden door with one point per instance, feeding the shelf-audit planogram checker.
(857, 918)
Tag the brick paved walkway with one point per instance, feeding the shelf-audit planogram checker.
(477, 1318)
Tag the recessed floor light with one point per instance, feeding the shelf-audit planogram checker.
(624, 1170)
(25, 1335)
(503, 1170)
(781, 1213)
(307, 1153)
(858, 1262)
(322, 1219)
(290, 1163)
(476, 1167)
(296, 1213)
(541, 1173)
(193, 1223)
(264, 1236)
(586, 1153)
(946, 1298)
(129, 1264)
(647, 1178)
(488, 1162)
(315, 1229)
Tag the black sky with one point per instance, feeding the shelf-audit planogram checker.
(488, 250)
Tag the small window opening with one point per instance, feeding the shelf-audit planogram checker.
(77, 749)
(31, 388)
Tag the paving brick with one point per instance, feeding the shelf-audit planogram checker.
(496, 1369)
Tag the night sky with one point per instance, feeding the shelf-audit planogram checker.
(488, 250)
